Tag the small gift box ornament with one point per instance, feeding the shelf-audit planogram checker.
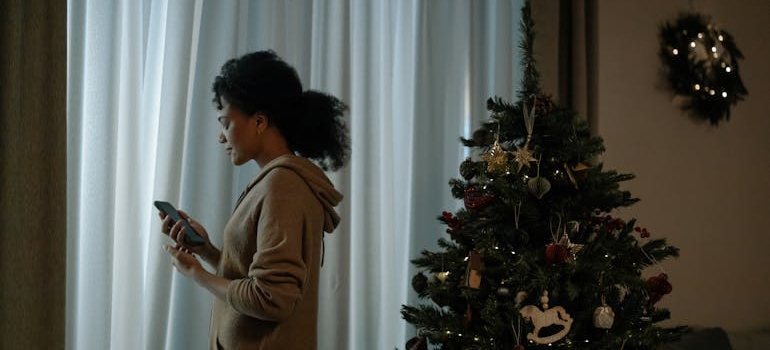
(473, 271)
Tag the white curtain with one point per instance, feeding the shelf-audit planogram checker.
(141, 127)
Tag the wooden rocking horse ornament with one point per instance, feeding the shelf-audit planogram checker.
(553, 316)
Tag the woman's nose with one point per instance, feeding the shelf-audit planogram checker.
(222, 138)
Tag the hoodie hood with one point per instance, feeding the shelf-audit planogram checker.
(316, 180)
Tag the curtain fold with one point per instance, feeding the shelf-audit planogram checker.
(141, 127)
(578, 58)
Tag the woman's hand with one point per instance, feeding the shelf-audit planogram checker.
(176, 232)
(186, 263)
(183, 259)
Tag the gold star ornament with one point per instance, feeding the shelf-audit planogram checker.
(523, 156)
(496, 158)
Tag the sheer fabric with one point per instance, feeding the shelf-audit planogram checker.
(141, 126)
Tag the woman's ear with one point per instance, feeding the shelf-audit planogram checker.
(261, 121)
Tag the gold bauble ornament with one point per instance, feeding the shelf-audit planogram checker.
(441, 276)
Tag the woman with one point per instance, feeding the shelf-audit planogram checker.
(266, 281)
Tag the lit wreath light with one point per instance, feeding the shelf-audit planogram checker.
(701, 63)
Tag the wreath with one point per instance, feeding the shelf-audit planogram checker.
(701, 64)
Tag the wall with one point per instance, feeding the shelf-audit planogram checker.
(704, 188)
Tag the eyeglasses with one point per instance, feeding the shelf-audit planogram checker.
(224, 120)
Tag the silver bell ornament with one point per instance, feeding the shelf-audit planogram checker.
(604, 316)
(503, 291)
(538, 186)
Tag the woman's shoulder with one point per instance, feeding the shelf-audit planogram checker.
(295, 174)
(280, 177)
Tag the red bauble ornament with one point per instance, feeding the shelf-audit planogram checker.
(419, 282)
(417, 343)
(657, 287)
(556, 253)
(543, 105)
(475, 199)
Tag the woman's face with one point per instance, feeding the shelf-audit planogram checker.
(239, 134)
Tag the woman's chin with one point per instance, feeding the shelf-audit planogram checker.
(238, 161)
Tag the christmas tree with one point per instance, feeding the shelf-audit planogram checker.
(535, 257)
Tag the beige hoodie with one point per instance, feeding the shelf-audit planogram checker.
(272, 251)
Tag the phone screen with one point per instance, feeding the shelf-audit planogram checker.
(191, 237)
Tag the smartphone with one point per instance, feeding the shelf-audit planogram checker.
(191, 237)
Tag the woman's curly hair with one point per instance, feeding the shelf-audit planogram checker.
(311, 121)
